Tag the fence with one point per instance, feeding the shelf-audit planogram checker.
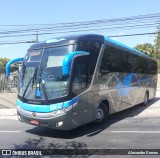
(9, 85)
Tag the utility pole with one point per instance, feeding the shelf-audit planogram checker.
(36, 35)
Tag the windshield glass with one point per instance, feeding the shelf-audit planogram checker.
(42, 71)
(51, 72)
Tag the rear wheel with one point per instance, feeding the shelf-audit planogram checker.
(102, 114)
(146, 99)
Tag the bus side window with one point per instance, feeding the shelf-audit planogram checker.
(108, 64)
(93, 47)
(80, 76)
(122, 60)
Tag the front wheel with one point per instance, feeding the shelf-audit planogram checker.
(102, 114)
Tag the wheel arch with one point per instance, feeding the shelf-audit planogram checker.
(147, 91)
(106, 102)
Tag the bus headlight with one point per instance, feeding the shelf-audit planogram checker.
(57, 112)
(60, 112)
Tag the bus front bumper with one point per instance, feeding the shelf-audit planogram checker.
(61, 121)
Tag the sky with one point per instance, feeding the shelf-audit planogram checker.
(64, 11)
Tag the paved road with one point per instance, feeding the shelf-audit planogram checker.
(135, 128)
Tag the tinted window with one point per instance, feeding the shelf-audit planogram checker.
(108, 63)
(137, 68)
(80, 78)
(140, 65)
(145, 65)
(122, 60)
(89, 46)
(93, 47)
(108, 66)
(118, 60)
(153, 67)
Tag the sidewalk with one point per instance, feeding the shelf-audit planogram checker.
(8, 100)
(8, 114)
(8, 106)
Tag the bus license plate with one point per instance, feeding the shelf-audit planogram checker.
(34, 122)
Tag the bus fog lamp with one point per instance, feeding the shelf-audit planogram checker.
(58, 124)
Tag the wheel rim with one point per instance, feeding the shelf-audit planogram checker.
(100, 114)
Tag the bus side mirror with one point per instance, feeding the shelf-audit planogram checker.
(68, 59)
(13, 61)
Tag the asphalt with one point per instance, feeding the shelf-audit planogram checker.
(135, 128)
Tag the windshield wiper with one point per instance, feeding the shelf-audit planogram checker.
(44, 91)
(29, 83)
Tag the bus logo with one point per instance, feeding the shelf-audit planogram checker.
(34, 114)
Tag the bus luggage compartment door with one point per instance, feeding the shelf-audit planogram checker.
(82, 112)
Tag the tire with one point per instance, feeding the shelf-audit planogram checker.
(102, 114)
(146, 99)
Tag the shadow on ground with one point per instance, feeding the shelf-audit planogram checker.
(66, 149)
(91, 129)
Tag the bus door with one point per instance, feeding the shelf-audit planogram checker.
(82, 112)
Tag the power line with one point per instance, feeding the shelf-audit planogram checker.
(126, 35)
(84, 30)
(17, 42)
(151, 21)
(91, 23)
(137, 34)
(113, 19)
(132, 22)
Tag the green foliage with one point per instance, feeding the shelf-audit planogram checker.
(158, 64)
(157, 42)
(146, 48)
(152, 50)
(3, 62)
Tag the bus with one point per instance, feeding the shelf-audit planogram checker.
(70, 81)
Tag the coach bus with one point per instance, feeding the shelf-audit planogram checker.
(70, 81)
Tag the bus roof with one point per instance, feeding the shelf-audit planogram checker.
(107, 39)
(64, 40)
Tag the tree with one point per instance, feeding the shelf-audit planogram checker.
(3, 62)
(146, 48)
(157, 43)
(152, 50)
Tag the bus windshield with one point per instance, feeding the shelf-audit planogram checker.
(41, 74)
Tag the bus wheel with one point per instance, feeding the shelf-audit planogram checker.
(146, 99)
(102, 114)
